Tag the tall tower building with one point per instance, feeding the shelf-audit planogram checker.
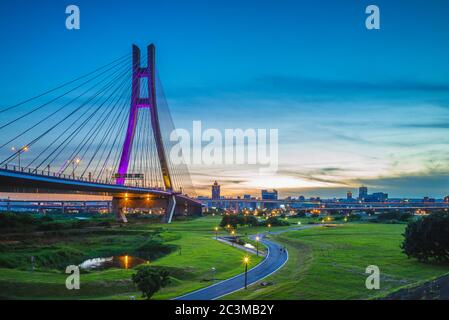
(349, 195)
(215, 190)
(363, 193)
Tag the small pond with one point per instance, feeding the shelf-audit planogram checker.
(122, 262)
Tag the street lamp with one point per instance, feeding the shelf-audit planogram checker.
(257, 245)
(213, 273)
(233, 234)
(216, 233)
(23, 149)
(246, 261)
(75, 162)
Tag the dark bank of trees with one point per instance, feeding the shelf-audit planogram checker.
(427, 239)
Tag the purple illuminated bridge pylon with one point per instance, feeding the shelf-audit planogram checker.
(94, 136)
(138, 102)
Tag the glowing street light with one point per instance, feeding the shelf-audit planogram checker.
(213, 269)
(216, 233)
(246, 261)
(19, 152)
(233, 234)
(257, 245)
(75, 163)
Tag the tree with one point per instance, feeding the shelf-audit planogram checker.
(149, 280)
(251, 221)
(427, 238)
(275, 222)
(231, 220)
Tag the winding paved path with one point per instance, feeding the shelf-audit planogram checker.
(274, 260)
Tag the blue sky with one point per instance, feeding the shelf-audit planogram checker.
(352, 106)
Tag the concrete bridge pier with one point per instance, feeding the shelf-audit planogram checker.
(118, 210)
(166, 207)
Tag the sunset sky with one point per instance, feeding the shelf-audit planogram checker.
(352, 106)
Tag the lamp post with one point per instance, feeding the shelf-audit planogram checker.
(257, 245)
(213, 273)
(233, 234)
(23, 149)
(246, 260)
(75, 163)
(216, 233)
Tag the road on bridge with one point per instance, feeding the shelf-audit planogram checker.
(274, 260)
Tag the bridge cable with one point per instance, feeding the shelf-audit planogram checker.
(63, 85)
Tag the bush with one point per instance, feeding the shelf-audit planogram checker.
(275, 222)
(354, 217)
(427, 238)
(235, 220)
(394, 216)
(232, 220)
(150, 280)
(15, 221)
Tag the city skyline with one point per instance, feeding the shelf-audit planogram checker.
(360, 193)
(350, 106)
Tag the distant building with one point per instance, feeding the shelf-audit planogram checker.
(301, 198)
(215, 191)
(267, 195)
(446, 199)
(363, 193)
(428, 199)
(246, 196)
(349, 195)
(378, 197)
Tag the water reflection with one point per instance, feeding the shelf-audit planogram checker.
(122, 262)
(249, 245)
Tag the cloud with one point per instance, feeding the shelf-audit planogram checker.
(315, 89)
(291, 83)
(434, 125)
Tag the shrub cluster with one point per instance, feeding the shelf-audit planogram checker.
(427, 239)
(249, 220)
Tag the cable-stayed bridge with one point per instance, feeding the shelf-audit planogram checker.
(106, 132)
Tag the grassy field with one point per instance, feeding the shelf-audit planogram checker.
(324, 262)
(190, 264)
(329, 263)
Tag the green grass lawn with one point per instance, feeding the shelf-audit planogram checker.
(190, 265)
(324, 263)
(329, 263)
